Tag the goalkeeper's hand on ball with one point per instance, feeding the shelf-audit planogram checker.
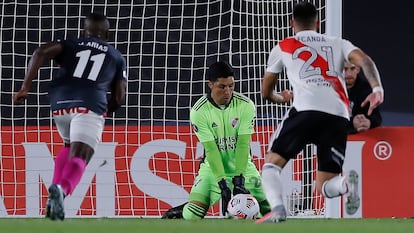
(238, 183)
(225, 195)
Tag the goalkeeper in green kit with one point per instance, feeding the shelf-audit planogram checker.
(223, 121)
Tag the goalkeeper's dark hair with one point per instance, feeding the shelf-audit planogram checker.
(305, 13)
(219, 69)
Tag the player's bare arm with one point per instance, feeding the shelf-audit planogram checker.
(44, 52)
(359, 58)
(118, 91)
(268, 87)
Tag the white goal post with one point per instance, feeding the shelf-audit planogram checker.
(149, 156)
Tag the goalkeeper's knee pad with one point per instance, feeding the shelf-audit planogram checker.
(192, 211)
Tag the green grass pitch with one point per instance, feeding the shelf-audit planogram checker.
(151, 225)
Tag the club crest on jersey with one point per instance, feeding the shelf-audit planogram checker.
(214, 125)
(235, 122)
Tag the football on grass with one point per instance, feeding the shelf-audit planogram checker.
(243, 206)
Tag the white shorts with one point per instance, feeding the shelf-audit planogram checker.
(79, 125)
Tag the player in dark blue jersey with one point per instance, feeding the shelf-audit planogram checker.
(89, 68)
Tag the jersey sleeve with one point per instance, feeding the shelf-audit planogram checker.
(275, 63)
(200, 126)
(246, 129)
(347, 48)
(247, 120)
(122, 72)
(204, 134)
(59, 58)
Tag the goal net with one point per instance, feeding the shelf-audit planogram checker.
(149, 155)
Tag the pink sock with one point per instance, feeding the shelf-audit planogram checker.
(72, 173)
(61, 159)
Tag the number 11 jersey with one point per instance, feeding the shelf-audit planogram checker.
(87, 69)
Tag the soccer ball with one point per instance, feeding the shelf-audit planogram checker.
(243, 206)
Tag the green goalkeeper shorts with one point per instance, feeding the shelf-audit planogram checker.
(206, 190)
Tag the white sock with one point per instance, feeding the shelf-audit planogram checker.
(335, 187)
(272, 184)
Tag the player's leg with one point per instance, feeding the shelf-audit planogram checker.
(272, 186)
(174, 212)
(197, 206)
(333, 184)
(75, 167)
(71, 175)
(60, 161)
(63, 126)
(194, 210)
(331, 144)
(286, 142)
(253, 183)
(204, 193)
(85, 134)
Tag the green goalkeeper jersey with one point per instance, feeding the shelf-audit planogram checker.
(224, 125)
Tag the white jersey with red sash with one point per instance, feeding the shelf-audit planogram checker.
(314, 65)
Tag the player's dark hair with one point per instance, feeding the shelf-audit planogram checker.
(305, 13)
(219, 69)
(98, 26)
(96, 17)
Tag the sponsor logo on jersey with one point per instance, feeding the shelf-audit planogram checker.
(65, 111)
